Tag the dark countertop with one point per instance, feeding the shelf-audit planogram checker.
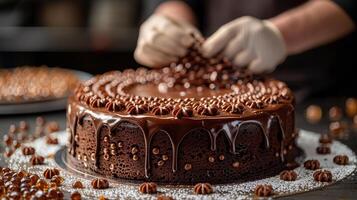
(346, 189)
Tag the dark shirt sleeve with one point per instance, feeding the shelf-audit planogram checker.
(350, 7)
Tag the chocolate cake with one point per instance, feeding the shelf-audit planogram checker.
(197, 120)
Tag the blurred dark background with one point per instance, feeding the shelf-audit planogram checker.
(100, 35)
(89, 35)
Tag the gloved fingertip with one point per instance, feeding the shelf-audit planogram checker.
(207, 50)
(187, 41)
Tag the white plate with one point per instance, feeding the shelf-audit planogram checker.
(40, 106)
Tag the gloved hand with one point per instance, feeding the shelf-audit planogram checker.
(162, 41)
(250, 42)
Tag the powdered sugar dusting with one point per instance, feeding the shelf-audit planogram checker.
(307, 141)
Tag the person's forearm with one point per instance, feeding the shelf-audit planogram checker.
(177, 10)
(315, 23)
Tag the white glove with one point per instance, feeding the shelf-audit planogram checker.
(248, 41)
(162, 41)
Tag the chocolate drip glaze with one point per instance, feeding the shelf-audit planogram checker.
(150, 126)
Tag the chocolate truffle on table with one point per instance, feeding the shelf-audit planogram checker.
(312, 164)
(197, 120)
(313, 113)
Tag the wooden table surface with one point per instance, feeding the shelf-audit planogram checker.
(344, 190)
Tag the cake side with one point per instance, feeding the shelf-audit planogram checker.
(197, 120)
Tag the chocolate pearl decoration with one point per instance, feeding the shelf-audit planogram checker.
(221, 157)
(137, 109)
(255, 104)
(160, 163)
(264, 190)
(341, 159)
(148, 188)
(182, 111)
(161, 110)
(164, 157)
(188, 167)
(115, 106)
(28, 151)
(323, 150)
(97, 102)
(322, 176)
(37, 160)
(49, 173)
(135, 157)
(77, 185)
(134, 150)
(99, 183)
(155, 151)
(211, 159)
(233, 108)
(209, 110)
(312, 164)
(236, 164)
(288, 175)
(203, 188)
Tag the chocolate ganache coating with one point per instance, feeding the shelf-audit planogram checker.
(197, 120)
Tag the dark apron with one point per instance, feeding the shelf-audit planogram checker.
(315, 71)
